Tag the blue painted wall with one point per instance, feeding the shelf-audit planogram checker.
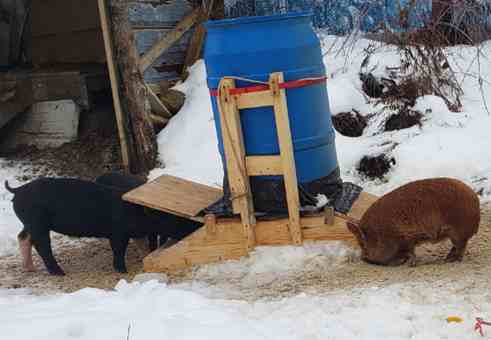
(342, 16)
(338, 16)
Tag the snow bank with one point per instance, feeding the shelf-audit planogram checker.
(156, 311)
(10, 225)
(266, 264)
(188, 145)
(448, 144)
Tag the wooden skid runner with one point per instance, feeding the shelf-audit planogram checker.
(175, 195)
(224, 239)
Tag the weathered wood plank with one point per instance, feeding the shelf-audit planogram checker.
(51, 17)
(169, 39)
(70, 47)
(161, 15)
(113, 76)
(287, 157)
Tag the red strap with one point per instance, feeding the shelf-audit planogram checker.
(286, 85)
(478, 325)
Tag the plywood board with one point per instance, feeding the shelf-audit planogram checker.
(175, 195)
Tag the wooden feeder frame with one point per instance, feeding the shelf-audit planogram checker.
(231, 238)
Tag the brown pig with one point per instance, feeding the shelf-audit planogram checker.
(429, 210)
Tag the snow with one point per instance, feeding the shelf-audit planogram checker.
(266, 264)
(447, 144)
(152, 311)
(188, 145)
(10, 226)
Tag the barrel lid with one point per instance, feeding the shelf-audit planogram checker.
(256, 19)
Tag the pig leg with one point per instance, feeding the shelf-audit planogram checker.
(407, 251)
(42, 243)
(400, 260)
(153, 242)
(25, 247)
(119, 246)
(457, 251)
(142, 245)
(412, 260)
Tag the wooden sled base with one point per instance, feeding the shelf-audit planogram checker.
(225, 239)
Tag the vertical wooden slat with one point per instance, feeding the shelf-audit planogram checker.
(113, 76)
(235, 159)
(287, 157)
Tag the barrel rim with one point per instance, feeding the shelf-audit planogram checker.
(256, 19)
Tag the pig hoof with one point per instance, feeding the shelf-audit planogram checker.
(121, 270)
(412, 260)
(453, 258)
(397, 262)
(57, 272)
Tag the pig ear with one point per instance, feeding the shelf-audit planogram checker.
(356, 230)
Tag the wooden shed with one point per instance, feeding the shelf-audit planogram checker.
(57, 50)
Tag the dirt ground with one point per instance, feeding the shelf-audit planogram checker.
(88, 263)
(95, 152)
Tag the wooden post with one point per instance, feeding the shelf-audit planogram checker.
(287, 157)
(113, 76)
(134, 93)
(235, 159)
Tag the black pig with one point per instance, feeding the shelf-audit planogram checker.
(76, 208)
(169, 226)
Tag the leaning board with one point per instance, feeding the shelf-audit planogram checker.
(175, 195)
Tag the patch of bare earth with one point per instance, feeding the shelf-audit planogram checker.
(88, 263)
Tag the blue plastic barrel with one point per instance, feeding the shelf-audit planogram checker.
(254, 47)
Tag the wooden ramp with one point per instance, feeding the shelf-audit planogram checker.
(176, 196)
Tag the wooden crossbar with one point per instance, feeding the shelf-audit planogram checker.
(240, 166)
